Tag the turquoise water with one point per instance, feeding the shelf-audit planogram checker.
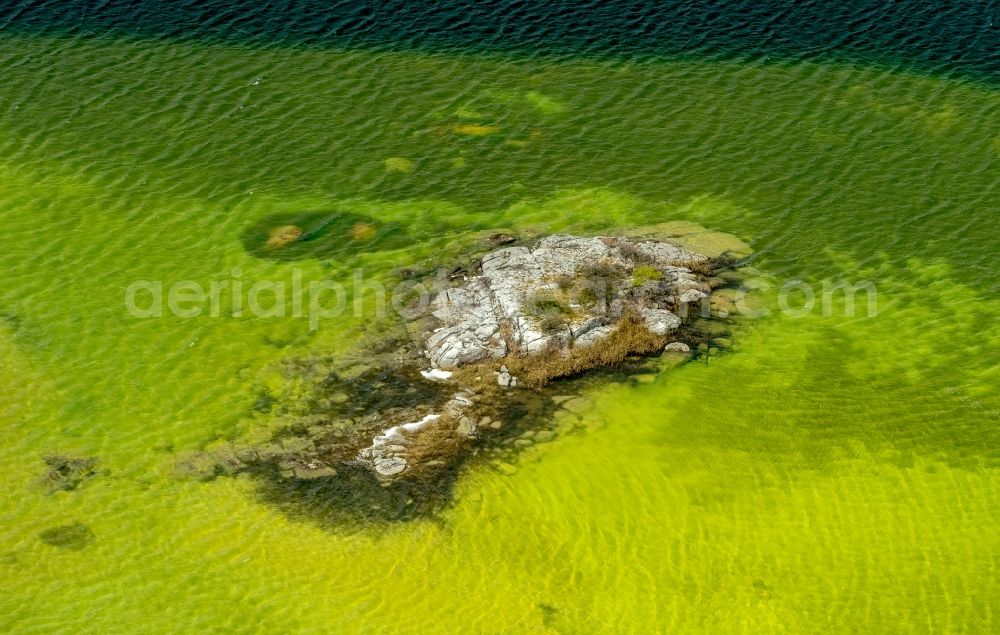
(829, 473)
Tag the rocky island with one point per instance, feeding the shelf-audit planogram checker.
(476, 370)
(532, 314)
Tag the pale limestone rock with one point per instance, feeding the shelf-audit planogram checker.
(436, 374)
(389, 465)
(676, 347)
(530, 300)
(660, 321)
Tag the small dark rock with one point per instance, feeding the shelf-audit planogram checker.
(66, 473)
(196, 465)
(414, 273)
(709, 328)
(228, 460)
(75, 536)
(310, 471)
(723, 342)
(732, 277)
(297, 444)
(501, 238)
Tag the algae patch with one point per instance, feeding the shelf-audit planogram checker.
(475, 130)
(321, 234)
(401, 165)
(73, 537)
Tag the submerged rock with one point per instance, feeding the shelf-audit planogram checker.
(501, 238)
(389, 465)
(320, 234)
(197, 465)
(313, 470)
(283, 236)
(67, 473)
(475, 130)
(74, 537)
(693, 236)
(398, 164)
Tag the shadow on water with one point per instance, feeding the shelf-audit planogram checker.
(320, 234)
(354, 497)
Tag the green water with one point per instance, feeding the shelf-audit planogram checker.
(831, 473)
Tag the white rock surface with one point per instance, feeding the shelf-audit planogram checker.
(436, 374)
(659, 321)
(494, 314)
(390, 465)
(676, 347)
(692, 295)
(506, 380)
(387, 453)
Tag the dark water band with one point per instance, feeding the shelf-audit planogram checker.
(955, 37)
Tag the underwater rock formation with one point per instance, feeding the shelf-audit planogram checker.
(473, 375)
(475, 130)
(398, 164)
(292, 236)
(67, 473)
(283, 236)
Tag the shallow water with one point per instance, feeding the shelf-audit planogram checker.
(831, 472)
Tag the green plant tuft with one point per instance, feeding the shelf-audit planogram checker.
(644, 273)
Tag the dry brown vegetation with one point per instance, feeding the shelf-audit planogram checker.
(630, 252)
(704, 267)
(438, 441)
(630, 337)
